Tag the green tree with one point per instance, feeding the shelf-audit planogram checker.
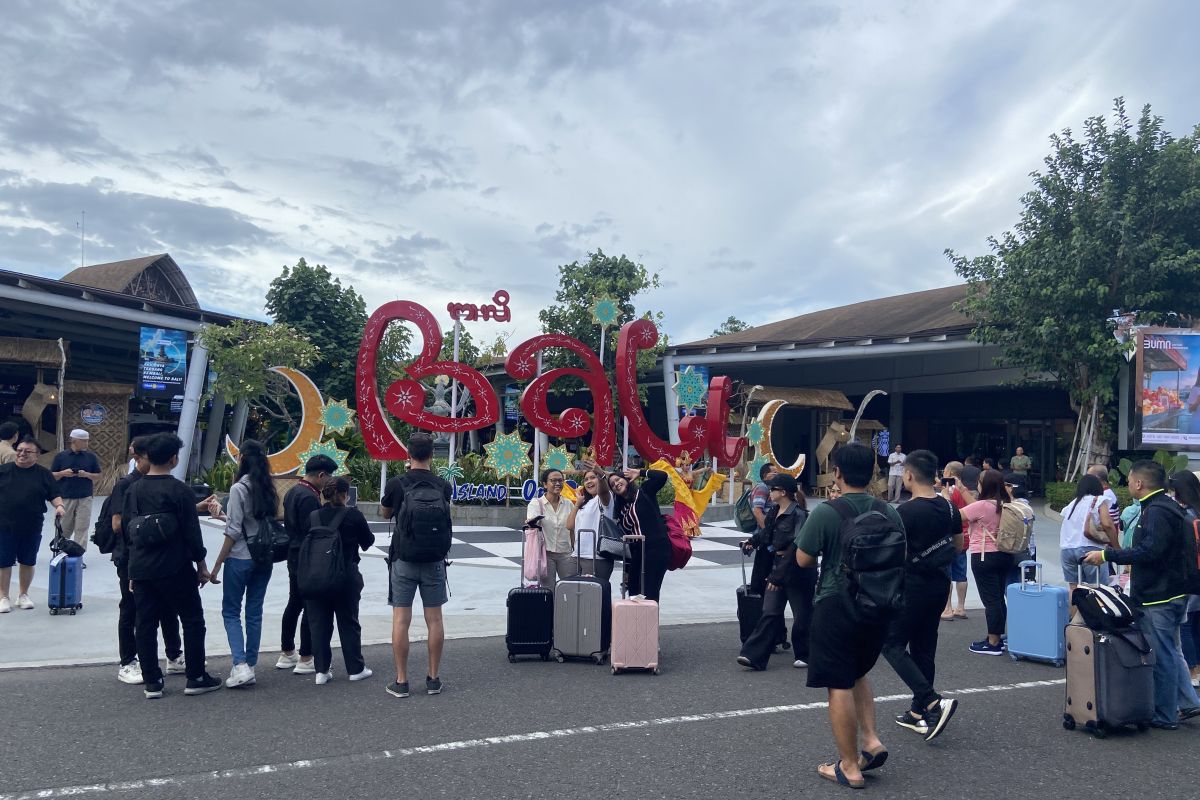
(468, 351)
(332, 316)
(1112, 222)
(731, 325)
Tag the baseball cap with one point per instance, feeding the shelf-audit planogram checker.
(970, 477)
(80, 434)
(783, 481)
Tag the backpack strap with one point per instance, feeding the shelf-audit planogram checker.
(843, 508)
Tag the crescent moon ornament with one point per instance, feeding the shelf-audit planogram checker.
(289, 459)
(766, 418)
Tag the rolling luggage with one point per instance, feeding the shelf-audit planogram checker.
(1037, 618)
(530, 630)
(635, 628)
(749, 606)
(66, 584)
(1110, 679)
(582, 612)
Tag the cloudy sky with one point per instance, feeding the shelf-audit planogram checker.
(766, 158)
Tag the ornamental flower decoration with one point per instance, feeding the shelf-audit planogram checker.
(327, 448)
(754, 432)
(451, 472)
(337, 416)
(507, 455)
(690, 389)
(605, 312)
(557, 458)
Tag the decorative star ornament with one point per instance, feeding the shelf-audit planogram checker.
(756, 465)
(754, 432)
(557, 458)
(337, 416)
(690, 389)
(451, 472)
(327, 448)
(605, 312)
(507, 456)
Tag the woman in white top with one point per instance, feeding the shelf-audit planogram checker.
(560, 544)
(1089, 504)
(594, 501)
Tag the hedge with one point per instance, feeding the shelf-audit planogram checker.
(1061, 493)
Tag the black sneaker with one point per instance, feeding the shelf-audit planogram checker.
(914, 724)
(397, 689)
(938, 717)
(433, 685)
(153, 691)
(203, 685)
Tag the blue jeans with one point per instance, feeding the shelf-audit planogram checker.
(1075, 571)
(243, 578)
(1172, 680)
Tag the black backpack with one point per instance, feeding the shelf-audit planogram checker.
(874, 551)
(423, 527)
(269, 542)
(321, 563)
(103, 535)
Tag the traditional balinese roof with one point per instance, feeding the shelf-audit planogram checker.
(156, 278)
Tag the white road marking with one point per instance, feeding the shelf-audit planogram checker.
(179, 781)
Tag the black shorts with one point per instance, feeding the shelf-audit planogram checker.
(841, 650)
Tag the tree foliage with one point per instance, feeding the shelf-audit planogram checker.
(1112, 222)
(240, 353)
(332, 316)
(730, 325)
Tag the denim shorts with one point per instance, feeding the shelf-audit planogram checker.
(19, 548)
(958, 568)
(1072, 563)
(407, 576)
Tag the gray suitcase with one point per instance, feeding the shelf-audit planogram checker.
(582, 614)
(1110, 679)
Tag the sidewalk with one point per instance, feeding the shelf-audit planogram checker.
(476, 607)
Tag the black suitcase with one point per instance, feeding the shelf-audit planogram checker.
(530, 630)
(1110, 679)
(749, 605)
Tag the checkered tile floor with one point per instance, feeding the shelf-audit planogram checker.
(501, 547)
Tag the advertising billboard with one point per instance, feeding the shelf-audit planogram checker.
(162, 362)
(1167, 407)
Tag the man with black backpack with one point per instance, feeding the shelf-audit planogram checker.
(166, 565)
(860, 540)
(420, 503)
(933, 528)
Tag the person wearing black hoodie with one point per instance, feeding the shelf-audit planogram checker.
(636, 508)
(787, 583)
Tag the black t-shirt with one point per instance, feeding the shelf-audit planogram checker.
(298, 504)
(926, 521)
(116, 508)
(163, 494)
(393, 492)
(356, 533)
(85, 461)
(24, 492)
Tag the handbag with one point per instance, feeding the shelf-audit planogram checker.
(1091, 531)
(611, 543)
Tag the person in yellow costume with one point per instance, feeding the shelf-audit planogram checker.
(690, 502)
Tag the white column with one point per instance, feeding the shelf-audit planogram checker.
(192, 389)
(669, 397)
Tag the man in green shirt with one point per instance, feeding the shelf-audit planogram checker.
(843, 650)
(1021, 463)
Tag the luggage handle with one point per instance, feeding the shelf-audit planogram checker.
(743, 563)
(579, 548)
(635, 537)
(1037, 575)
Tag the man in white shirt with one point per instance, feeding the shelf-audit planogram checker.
(895, 474)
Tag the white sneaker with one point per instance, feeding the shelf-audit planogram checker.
(130, 673)
(362, 676)
(240, 675)
(176, 666)
(24, 603)
(324, 678)
(5, 605)
(798, 664)
(305, 667)
(287, 662)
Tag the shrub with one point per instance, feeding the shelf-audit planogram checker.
(1060, 493)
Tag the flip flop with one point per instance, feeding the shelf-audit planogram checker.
(948, 617)
(872, 761)
(839, 777)
(960, 615)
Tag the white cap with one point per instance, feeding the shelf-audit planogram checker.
(80, 434)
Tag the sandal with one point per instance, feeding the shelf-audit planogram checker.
(960, 614)
(948, 616)
(839, 777)
(870, 761)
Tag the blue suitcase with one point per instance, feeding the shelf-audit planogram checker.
(66, 584)
(1037, 618)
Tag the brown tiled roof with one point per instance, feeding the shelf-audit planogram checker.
(117, 276)
(927, 313)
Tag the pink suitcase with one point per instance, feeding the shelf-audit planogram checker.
(634, 629)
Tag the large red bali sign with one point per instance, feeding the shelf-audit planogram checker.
(405, 398)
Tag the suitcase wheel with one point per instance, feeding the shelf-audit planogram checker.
(54, 612)
(1059, 662)
(1015, 657)
(1143, 727)
(599, 657)
(1068, 722)
(512, 659)
(614, 669)
(655, 671)
(559, 657)
(1100, 731)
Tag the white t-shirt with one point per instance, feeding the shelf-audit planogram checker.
(588, 519)
(896, 464)
(1071, 532)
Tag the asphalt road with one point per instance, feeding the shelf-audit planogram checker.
(703, 728)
